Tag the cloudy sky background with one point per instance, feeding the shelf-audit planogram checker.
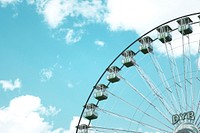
(53, 51)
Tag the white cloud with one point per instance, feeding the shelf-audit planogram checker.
(99, 43)
(72, 36)
(140, 16)
(4, 3)
(129, 14)
(10, 85)
(46, 74)
(56, 11)
(23, 116)
(144, 15)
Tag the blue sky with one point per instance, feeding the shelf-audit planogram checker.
(52, 53)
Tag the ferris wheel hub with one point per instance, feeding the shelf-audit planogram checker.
(186, 128)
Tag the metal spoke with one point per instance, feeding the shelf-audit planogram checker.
(153, 88)
(112, 129)
(138, 109)
(132, 120)
(164, 80)
(145, 98)
(175, 74)
(196, 77)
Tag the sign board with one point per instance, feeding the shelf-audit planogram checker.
(183, 116)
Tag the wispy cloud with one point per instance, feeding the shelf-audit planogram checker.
(99, 43)
(4, 3)
(70, 85)
(49, 111)
(72, 36)
(10, 85)
(46, 74)
(23, 116)
(56, 11)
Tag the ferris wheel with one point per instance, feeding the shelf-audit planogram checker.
(153, 85)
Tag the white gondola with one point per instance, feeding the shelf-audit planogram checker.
(113, 75)
(164, 34)
(90, 112)
(146, 46)
(185, 27)
(128, 60)
(100, 92)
